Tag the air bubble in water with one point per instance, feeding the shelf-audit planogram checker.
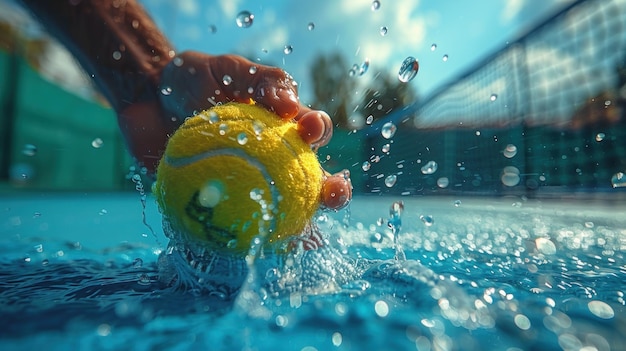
(244, 19)
(212, 29)
(166, 91)
(242, 138)
(29, 150)
(252, 69)
(433, 47)
(375, 5)
(227, 79)
(369, 119)
(510, 151)
(445, 58)
(383, 31)
(430, 167)
(388, 130)
(600, 137)
(428, 220)
(618, 180)
(117, 55)
(443, 182)
(311, 26)
(390, 181)
(97, 143)
(213, 117)
(366, 166)
(493, 97)
(386, 148)
(457, 203)
(288, 49)
(408, 70)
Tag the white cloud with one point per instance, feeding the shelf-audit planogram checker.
(230, 8)
(188, 7)
(511, 9)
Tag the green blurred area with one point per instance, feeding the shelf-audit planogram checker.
(47, 135)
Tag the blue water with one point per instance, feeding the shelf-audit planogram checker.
(79, 272)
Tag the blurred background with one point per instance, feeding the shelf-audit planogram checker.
(517, 97)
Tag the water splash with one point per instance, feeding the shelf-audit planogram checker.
(395, 223)
(136, 178)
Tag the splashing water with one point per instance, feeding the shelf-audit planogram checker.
(395, 224)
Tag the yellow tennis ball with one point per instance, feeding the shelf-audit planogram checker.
(234, 171)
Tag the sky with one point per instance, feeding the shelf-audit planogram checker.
(465, 31)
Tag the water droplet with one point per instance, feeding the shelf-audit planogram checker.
(364, 67)
(231, 244)
(600, 137)
(177, 61)
(390, 181)
(445, 58)
(288, 49)
(97, 143)
(375, 5)
(244, 19)
(510, 151)
(310, 26)
(386, 148)
(618, 180)
(242, 138)
(430, 167)
(252, 69)
(366, 166)
(457, 203)
(388, 130)
(369, 119)
(223, 129)
(545, 246)
(433, 47)
(428, 220)
(383, 31)
(257, 127)
(493, 97)
(166, 91)
(510, 176)
(443, 182)
(29, 150)
(522, 322)
(408, 70)
(117, 55)
(227, 79)
(381, 308)
(601, 309)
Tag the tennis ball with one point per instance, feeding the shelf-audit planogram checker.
(234, 171)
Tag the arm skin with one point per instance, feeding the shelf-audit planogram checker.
(120, 47)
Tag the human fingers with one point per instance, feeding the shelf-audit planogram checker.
(315, 128)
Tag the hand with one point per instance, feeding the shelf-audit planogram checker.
(194, 81)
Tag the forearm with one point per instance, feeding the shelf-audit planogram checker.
(115, 41)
